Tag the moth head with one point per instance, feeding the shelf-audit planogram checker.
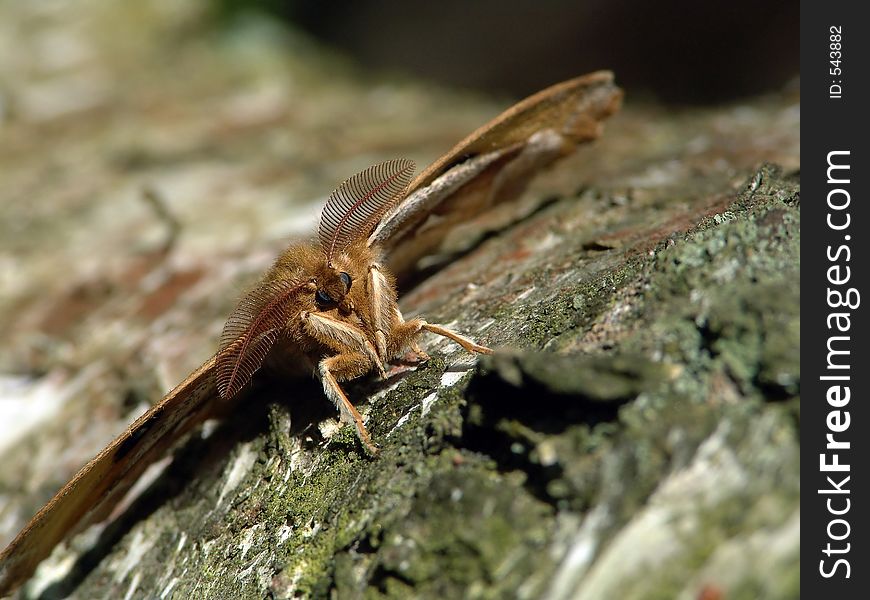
(332, 288)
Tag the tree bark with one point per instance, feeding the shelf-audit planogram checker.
(634, 436)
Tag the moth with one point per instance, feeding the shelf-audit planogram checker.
(332, 305)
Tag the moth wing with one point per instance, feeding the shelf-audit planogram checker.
(101, 484)
(97, 488)
(251, 330)
(493, 165)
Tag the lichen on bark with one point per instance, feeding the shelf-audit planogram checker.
(635, 435)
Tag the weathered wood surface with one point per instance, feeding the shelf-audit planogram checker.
(655, 454)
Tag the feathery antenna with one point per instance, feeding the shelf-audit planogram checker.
(356, 206)
(250, 332)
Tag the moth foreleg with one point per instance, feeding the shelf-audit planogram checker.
(341, 368)
(382, 297)
(343, 337)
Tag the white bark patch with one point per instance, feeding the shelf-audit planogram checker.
(240, 467)
(671, 513)
(451, 378)
(489, 322)
(579, 554)
(134, 585)
(248, 539)
(144, 481)
(181, 541)
(139, 547)
(261, 572)
(50, 571)
(168, 589)
(311, 530)
(25, 402)
(427, 402)
(380, 394)
(525, 294)
(284, 533)
(402, 420)
(329, 427)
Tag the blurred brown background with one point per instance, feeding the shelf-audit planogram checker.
(676, 50)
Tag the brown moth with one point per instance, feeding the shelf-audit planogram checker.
(333, 306)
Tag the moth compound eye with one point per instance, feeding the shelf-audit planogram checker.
(323, 298)
(346, 279)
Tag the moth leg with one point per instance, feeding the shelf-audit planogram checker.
(415, 347)
(343, 367)
(343, 337)
(382, 296)
(463, 341)
(405, 335)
